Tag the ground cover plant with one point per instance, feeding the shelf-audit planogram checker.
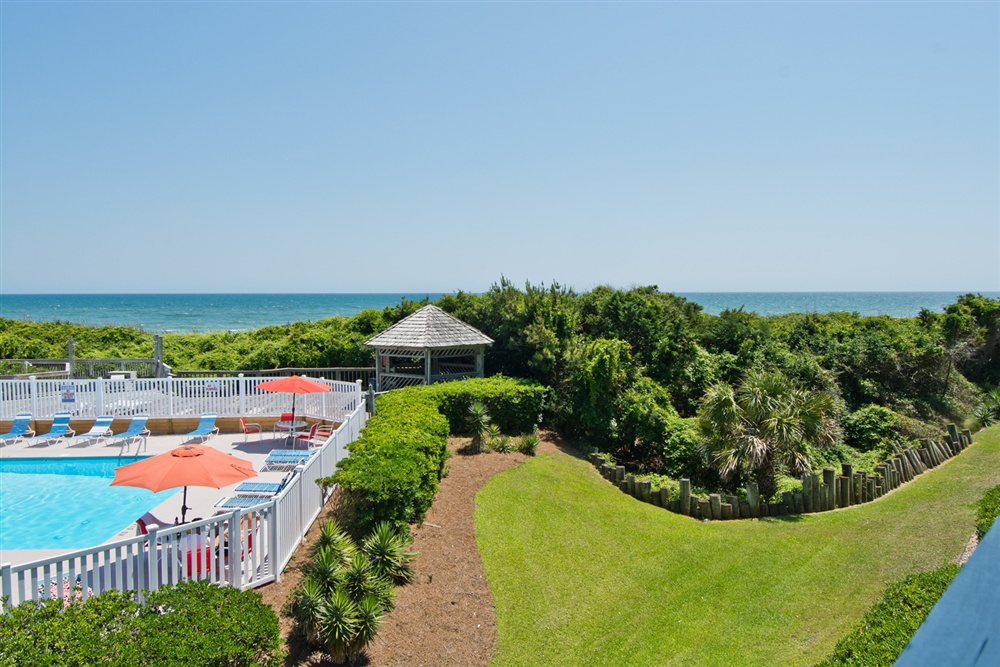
(987, 511)
(891, 622)
(188, 625)
(586, 570)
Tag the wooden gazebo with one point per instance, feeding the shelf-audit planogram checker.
(426, 347)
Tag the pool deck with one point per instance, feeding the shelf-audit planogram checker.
(200, 499)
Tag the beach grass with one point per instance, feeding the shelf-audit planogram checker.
(582, 574)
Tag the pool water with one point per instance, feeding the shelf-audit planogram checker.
(55, 503)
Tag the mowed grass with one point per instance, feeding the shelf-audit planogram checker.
(583, 575)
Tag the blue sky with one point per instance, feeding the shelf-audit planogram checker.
(373, 147)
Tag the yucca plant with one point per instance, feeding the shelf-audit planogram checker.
(338, 625)
(332, 537)
(479, 423)
(371, 613)
(306, 604)
(528, 444)
(503, 444)
(386, 549)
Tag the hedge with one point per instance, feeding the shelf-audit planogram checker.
(890, 624)
(396, 464)
(190, 624)
(987, 510)
(514, 405)
(393, 471)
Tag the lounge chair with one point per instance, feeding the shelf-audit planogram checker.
(136, 431)
(263, 488)
(60, 429)
(287, 459)
(19, 430)
(99, 431)
(206, 429)
(250, 428)
(147, 521)
(240, 502)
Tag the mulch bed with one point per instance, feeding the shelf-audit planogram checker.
(445, 617)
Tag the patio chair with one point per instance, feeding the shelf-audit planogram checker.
(60, 429)
(147, 521)
(19, 430)
(205, 430)
(99, 431)
(136, 432)
(306, 438)
(285, 417)
(250, 428)
(286, 459)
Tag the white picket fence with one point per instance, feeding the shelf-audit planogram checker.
(244, 548)
(168, 397)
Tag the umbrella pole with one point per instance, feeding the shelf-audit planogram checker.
(184, 502)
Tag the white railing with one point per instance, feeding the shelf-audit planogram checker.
(243, 549)
(168, 397)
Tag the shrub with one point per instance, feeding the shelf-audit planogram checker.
(987, 510)
(528, 444)
(891, 622)
(514, 405)
(192, 623)
(870, 427)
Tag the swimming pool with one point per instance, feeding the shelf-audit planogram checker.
(67, 503)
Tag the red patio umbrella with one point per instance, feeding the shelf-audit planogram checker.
(294, 384)
(189, 465)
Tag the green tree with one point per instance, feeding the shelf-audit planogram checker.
(764, 425)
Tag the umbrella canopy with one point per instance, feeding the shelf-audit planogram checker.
(294, 384)
(190, 465)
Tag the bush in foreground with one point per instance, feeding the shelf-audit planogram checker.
(191, 624)
(889, 625)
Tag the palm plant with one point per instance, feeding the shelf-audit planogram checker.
(479, 423)
(763, 425)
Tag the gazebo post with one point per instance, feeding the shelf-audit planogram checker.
(427, 366)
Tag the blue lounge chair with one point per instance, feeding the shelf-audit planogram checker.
(136, 431)
(99, 431)
(263, 488)
(60, 429)
(206, 429)
(284, 459)
(19, 430)
(240, 502)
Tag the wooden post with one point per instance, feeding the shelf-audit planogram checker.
(830, 480)
(848, 470)
(664, 497)
(735, 502)
(800, 504)
(872, 489)
(789, 501)
(645, 490)
(619, 473)
(843, 488)
(968, 437)
(807, 504)
(675, 506)
(744, 510)
(953, 432)
(704, 509)
(685, 499)
(727, 511)
(856, 489)
(715, 506)
(630, 480)
(753, 497)
(654, 498)
(765, 509)
(623, 485)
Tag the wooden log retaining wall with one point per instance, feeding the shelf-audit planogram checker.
(820, 493)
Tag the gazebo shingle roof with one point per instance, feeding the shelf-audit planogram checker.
(429, 328)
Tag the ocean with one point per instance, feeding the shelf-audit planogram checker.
(182, 313)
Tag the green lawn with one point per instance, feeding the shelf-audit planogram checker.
(582, 574)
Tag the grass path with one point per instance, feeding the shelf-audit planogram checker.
(582, 574)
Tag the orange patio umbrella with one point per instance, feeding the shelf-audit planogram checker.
(294, 384)
(189, 465)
